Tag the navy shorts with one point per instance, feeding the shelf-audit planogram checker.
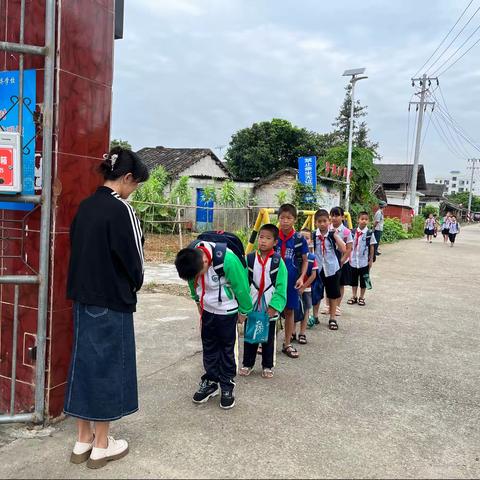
(346, 275)
(102, 381)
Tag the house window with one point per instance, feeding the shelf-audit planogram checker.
(460, 190)
(454, 179)
(447, 182)
(462, 182)
(454, 185)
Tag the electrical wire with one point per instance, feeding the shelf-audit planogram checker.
(444, 38)
(453, 41)
(443, 137)
(459, 58)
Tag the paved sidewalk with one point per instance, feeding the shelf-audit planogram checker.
(394, 393)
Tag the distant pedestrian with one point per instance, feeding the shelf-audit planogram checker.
(446, 226)
(378, 223)
(105, 274)
(454, 230)
(429, 227)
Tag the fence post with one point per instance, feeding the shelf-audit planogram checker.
(179, 223)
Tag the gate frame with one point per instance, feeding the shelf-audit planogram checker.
(45, 200)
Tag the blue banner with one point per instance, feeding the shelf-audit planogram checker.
(307, 171)
(9, 104)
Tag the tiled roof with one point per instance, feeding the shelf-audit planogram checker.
(176, 160)
(395, 173)
(435, 190)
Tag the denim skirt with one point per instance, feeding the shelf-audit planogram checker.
(102, 381)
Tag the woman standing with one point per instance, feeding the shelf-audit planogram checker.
(105, 274)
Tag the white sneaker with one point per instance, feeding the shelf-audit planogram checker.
(116, 450)
(81, 452)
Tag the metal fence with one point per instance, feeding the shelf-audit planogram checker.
(44, 202)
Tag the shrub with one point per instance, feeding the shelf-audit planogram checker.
(417, 228)
(393, 231)
(428, 209)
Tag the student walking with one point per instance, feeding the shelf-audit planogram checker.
(430, 224)
(454, 230)
(327, 242)
(104, 276)
(222, 295)
(293, 249)
(361, 260)
(446, 227)
(268, 280)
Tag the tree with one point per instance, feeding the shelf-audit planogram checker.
(267, 147)
(363, 178)
(462, 198)
(360, 129)
(120, 143)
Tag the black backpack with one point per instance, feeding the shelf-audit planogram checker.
(332, 241)
(274, 266)
(222, 241)
(368, 241)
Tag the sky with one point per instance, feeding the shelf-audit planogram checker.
(190, 73)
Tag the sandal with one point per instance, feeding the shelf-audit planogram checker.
(353, 301)
(361, 302)
(245, 371)
(332, 324)
(294, 338)
(290, 351)
(302, 339)
(267, 373)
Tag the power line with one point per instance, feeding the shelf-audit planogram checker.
(457, 50)
(459, 58)
(453, 41)
(442, 136)
(444, 38)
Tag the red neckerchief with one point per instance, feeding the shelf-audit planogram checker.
(322, 239)
(209, 257)
(285, 240)
(358, 234)
(263, 263)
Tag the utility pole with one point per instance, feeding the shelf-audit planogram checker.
(421, 107)
(357, 75)
(473, 167)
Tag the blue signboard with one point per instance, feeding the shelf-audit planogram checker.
(9, 104)
(307, 173)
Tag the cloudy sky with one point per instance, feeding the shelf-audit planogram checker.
(189, 73)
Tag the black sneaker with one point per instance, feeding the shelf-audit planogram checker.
(206, 391)
(228, 400)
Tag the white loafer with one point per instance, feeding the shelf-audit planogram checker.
(116, 450)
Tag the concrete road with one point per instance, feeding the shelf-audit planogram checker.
(394, 393)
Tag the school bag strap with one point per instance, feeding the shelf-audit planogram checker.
(274, 267)
(368, 240)
(218, 258)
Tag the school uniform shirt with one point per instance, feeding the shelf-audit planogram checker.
(345, 233)
(275, 295)
(326, 256)
(359, 256)
(234, 288)
(430, 224)
(312, 267)
(286, 248)
(454, 228)
(446, 224)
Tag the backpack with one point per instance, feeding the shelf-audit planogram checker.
(368, 241)
(332, 241)
(222, 241)
(274, 265)
(297, 245)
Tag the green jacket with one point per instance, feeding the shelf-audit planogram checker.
(235, 291)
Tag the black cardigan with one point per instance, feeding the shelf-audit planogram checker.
(106, 262)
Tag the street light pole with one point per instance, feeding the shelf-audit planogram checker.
(355, 78)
